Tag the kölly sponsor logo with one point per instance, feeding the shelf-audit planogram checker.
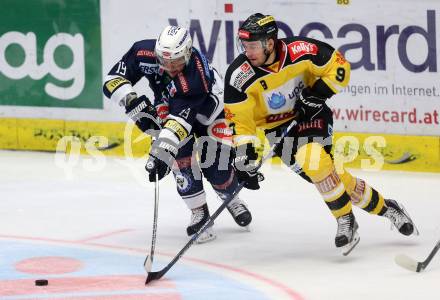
(388, 40)
(51, 62)
(301, 48)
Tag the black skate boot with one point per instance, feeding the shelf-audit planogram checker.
(398, 216)
(239, 212)
(347, 237)
(199, 216)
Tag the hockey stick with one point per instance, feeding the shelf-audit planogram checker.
(157, 275)
(149, 259)
(410, 264)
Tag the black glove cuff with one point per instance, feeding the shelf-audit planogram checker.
(245, 157)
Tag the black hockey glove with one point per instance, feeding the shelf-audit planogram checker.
(246, 170)
(143, 113)
(162, 154)
(308, 104)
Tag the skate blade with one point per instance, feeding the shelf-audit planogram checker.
(350, 246)
(206, 236)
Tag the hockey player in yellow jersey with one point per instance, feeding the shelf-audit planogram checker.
(275, 81)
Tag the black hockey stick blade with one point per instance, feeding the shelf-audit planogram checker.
(154, 276)
(157, 275)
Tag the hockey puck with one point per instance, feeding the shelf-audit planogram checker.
(41, 282)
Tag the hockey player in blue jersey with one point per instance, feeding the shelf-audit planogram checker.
(189, 112)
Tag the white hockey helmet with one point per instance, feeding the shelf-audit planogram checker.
(173, 45)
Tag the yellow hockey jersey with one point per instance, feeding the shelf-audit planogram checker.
(264, 97)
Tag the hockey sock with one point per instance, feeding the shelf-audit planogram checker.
(318, 165)
(362, 195)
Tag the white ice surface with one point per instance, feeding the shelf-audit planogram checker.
(292, 234)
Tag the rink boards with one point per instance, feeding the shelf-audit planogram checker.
(358, 150)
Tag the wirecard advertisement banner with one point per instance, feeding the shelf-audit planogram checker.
(50, 53)
(395, 84)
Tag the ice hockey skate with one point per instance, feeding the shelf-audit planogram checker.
(347, 236)
(400, 218)
(239, 211)
(199, 216)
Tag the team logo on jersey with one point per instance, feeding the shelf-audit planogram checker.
(241, 75)
(220, 131)
(283, 98)
(300, 48)
(276, 100)
(148, 69)
(147, 53)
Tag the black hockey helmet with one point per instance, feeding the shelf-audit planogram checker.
(258, 27)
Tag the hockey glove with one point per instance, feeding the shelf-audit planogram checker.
(162, 154)
(246, 166)
(309, 104)
(143, 113)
